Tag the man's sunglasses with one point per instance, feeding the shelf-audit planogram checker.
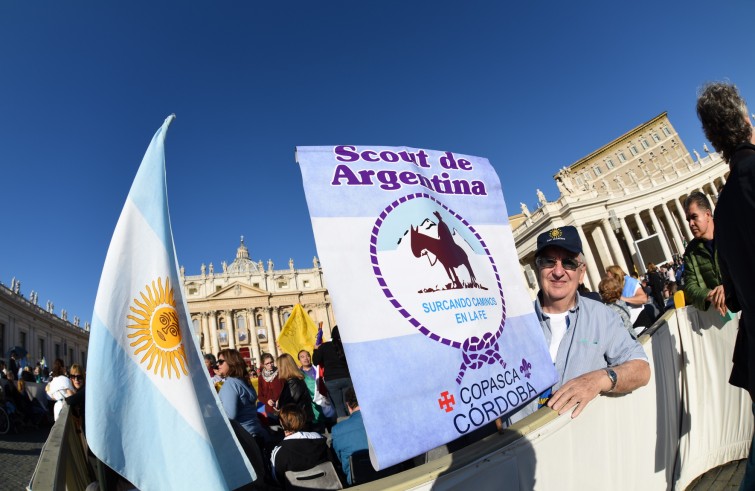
(568, 263)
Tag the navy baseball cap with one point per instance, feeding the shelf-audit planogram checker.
(563, 237)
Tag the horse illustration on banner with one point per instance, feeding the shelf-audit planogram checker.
(446, 251)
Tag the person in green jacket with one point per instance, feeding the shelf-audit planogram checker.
(702, 276)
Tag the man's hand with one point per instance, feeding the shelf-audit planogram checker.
(579, 391)
(717, 298)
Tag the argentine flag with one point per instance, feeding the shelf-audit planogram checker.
(152, 414)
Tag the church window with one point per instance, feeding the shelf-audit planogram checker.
(597, 170)
(622, 157)
(633, 149)
(192, 290)
(221, 324)
(609, 164)
(256, 285)
(218, 288)
(666, 131)
(241, 322)
(259, 320)
(645, 143)
(283, 284)
(656, 138)
(587, 175)
(305, 283)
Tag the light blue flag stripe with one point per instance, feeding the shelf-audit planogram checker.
(137, 422)
(149, 190)
(141, 453)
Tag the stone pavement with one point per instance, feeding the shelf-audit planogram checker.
(18, 457)
(724, 478)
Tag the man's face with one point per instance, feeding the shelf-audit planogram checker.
(558, 283)
(304, 359)
(700, 222)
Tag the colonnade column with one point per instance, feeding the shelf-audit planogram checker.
(640, 225)
(231, 331)
(214, 333)
(602, 247)
(324, 317)
(712, 204)
(276, 324)
(672, 224)
(252, 333)
(613, 242)
(271, 336)
(593, 276)
(683, 215)
(206, 347)
(661, 235)
(629, 238)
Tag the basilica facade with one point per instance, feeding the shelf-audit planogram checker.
(244, 304)
(622, 195)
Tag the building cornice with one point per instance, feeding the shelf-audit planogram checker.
(631, 133)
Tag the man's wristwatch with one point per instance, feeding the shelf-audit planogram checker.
(612, 375)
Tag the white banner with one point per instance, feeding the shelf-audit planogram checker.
(438, 328)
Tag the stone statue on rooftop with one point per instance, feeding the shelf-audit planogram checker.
(315, 262)
(203, 268)
(525, 210)
(541, 197)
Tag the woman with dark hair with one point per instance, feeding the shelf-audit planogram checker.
(300, 450)
(238, 396)
(330, 355)
(59, 387)
(270, 386)
(295, 389)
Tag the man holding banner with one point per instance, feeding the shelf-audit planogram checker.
(592, 351)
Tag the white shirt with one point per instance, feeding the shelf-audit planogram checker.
(558, 329)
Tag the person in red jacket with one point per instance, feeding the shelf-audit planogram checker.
(269, 385)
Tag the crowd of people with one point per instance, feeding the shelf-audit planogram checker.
(300, 415)
(62, 386)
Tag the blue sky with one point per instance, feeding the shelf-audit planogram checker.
(530, 86)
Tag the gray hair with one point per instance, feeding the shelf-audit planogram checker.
(698, 199)
(723, 114)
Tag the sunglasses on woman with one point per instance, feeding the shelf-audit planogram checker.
(76, 377)
(220, 361)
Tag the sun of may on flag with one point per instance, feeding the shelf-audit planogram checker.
(152, 413)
